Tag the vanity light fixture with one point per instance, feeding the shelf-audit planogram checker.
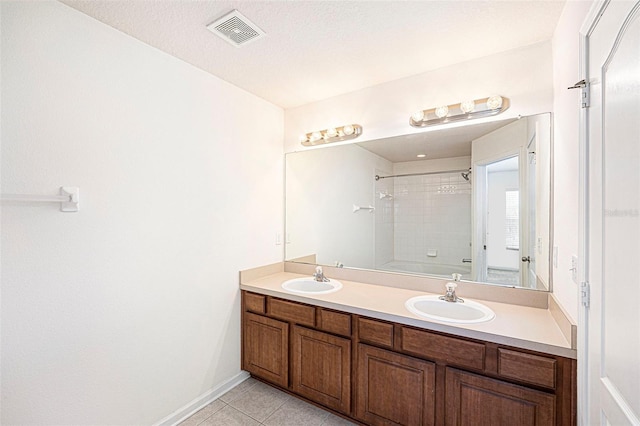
(442, 111)
(465, 110)
(332, 134)
(467, 106)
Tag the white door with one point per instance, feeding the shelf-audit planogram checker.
(609, 377)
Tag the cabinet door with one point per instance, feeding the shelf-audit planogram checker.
(322, 368)
(476, 400)
(266, 348)
(394, 389)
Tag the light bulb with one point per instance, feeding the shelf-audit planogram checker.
(494, 102)
(315, 136)
(331, 132)
(442, 111)
(348, 130)
(303, 138)
(418, 116)
(467, 106)
(421, 155)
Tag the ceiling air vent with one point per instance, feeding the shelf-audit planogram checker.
(236, 29)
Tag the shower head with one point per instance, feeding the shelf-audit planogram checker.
(465, 176)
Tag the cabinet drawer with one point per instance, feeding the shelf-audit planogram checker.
(334, 322)
(434, 346)
(291, 311)
(376, 332)
(255, 303)
(528, 368)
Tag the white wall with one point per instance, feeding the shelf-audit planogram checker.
(384, 219)
(566, 106)
(523, 75)
(539, 127)
(433, 165)
(322, 187)
(504, 142)
(128, 310)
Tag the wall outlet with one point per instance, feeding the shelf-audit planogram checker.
(574, 268)
(555, 257)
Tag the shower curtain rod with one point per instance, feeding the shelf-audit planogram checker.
(421, 174)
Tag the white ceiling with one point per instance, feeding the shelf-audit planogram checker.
(440, 143)
(314, 50)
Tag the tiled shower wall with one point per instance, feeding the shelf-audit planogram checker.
(431, 215)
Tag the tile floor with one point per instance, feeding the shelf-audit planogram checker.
(254, 403)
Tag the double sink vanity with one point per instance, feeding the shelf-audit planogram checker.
(383, 349)
(390, 220)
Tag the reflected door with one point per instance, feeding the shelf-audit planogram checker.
(503, 222)
(613, 319)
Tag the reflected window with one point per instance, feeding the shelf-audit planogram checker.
(512, 219)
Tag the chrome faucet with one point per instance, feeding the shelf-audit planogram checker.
(450, 295)
(319, 275)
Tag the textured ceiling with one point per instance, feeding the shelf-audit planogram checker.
(314, 50)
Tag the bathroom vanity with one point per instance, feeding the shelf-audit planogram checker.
(360, 354)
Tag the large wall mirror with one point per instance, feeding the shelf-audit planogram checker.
(472, 199)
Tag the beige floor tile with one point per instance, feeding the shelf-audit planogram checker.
(253, 403)
(260, 401)
(229, 416)
(238, 390)
(333, 420)
(201, 415)
(295, 412)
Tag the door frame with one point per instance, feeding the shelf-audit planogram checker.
(598, 8)
(479, 204)
(531, 279)
(588, 26)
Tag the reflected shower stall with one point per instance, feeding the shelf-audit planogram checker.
(423, 223)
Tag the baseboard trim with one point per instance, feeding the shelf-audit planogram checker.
(203, 400)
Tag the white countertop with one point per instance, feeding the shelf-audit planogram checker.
(518, 326)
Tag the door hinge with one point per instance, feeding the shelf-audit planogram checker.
(585, 294)
(583, 85)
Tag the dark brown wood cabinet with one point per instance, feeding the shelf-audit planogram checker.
(476, 400)
(321, 368)
(265, 344)
(384, 373)
(394, 389)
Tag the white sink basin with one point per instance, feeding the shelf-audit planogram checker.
(467, 312)
(308, 285)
